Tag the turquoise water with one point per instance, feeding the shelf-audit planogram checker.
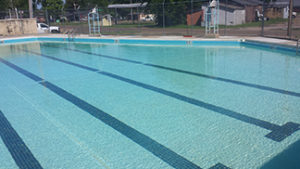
(61, 135)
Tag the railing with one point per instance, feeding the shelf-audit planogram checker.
(71, 34)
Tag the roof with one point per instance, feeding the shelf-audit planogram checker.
(230, 7)
(284, 3)
(247, 2)
(133, 5)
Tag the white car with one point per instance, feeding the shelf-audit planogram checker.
(44, 28)
(148, 18)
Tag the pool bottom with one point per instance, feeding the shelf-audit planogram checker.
(64, 88)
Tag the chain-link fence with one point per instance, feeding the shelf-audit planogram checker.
(14, 14)
(183, 18)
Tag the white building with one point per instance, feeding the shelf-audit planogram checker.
(236, 15)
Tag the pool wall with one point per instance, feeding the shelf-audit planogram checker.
(204, 42)
(268, 45)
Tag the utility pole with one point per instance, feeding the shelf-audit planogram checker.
(30, 8)
(289, 33)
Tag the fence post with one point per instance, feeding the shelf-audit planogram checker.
(47, 18)
(138, 19)
(164, 17)
(225, 30)
(289, 33)
(192, 11)
(263, 18)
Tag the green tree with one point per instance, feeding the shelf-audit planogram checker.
(53, 7)
(5, 4)
(52, 4)
(86, 4)
(76, 4)
(175, 11)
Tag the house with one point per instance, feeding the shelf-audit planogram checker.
(235, 12)
(249, 6)
(244, 11)
(280, 8)
(105, 20)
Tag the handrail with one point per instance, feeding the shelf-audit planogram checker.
(71, 34)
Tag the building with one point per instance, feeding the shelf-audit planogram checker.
(232, 14)
(280, 8)
(249, 6)
(236, 12)
(195, 18)
(105, 20)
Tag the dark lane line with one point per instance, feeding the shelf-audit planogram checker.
(261, 87)
(16, 146)
(159, 150)
(278, 132)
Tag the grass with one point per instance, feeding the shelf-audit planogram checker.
(257, 24)
(181, 26)
(134, 25)
(68, 23)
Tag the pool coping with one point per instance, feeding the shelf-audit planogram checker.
(271, 43)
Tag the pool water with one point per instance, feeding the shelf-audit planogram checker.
(80, 105)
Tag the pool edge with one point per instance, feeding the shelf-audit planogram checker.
(155, 41)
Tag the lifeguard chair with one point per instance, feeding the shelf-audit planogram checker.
(94, 24)
(212, 19)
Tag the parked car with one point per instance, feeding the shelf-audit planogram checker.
(44, 28)
(148, 18)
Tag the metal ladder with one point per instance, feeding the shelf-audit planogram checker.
(71, 35)
(94, 23)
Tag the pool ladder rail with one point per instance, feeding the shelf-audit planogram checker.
(71, 34)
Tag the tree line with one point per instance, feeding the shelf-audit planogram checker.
(169, 12)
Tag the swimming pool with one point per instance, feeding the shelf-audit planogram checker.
(134, 104)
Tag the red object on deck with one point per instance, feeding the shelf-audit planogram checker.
(194, 18)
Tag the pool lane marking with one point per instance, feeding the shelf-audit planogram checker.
(167, 155)
(261, 87)
(21, 154)
(278, 133)
(60, 127)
